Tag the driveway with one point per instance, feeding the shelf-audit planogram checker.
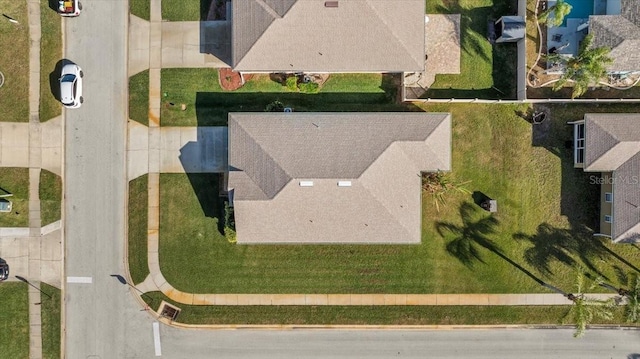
(14, 145)
(181, 149)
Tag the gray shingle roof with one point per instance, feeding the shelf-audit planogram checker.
(380, 154)
(613, 145)
(304, 35)
(621, 34)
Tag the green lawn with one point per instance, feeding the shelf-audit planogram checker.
(483, 67)
(50, 54)
(50, 321)
(207, 104)
(541, 232)
(139, 97)
(176, 10)
(137, 238)
(14, 320)
(50, 197)
(14, 61)
(142, 8)
(15, 181)
(381, 315)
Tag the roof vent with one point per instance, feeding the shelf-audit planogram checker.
(344, 183)
(306, 183)
(330, 4)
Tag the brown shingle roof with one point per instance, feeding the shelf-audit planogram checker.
(304, 35)
(380, 154)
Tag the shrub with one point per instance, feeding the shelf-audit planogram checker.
(229, 224)
(292, 83)
(309, 87)
(275, 106)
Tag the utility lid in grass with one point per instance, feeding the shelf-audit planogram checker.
(5, 205)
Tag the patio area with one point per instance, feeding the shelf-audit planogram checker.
(442, 45)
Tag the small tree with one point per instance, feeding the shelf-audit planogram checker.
(589, 66)
(559, 11)
(440, 185)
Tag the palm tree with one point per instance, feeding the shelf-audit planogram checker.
(632, 305)
(439, 185)
(559, 11)
(584, 308)
(588, 67)
(632, 310)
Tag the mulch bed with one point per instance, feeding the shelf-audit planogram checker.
(230, 80)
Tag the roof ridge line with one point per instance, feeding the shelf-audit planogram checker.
(271, 157)
(268, 9)
(408, 232)
(404, 46)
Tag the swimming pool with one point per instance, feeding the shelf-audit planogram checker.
(581, 9)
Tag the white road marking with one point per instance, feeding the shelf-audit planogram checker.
(85, 280)
(156, 338)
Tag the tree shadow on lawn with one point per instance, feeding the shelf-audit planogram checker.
(580, 195)
(212, 108)
(563, 245)
(473, 234)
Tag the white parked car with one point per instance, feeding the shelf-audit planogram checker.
(71, 86)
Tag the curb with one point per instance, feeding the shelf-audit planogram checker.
(292, 327)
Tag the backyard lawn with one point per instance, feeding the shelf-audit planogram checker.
(14, 60)
(50, 322)
(50, 54)
(50, 197)
(14, 320)
(15, 181)
(542, 231)
(137, 225)
(380, 315)
(486, 71)
(207, 104)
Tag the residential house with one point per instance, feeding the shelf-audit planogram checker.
(328, 36)
(609, 146)
(333, 177)
(619, 30)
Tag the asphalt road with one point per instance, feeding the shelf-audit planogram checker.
(441, 344)
(95, 321)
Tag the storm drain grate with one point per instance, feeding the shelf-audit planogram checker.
(169, 311)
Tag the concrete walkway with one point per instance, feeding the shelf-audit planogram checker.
(35, 252)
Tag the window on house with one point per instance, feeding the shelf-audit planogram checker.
(607, 218)
(578, 136)
(608, 197)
